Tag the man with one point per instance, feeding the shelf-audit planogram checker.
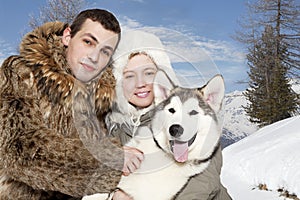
(53, 97)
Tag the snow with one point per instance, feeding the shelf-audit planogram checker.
(269, 156)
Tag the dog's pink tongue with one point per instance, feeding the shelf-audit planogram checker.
(180, 151)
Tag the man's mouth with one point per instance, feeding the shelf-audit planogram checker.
(180, 148)
(88, 67)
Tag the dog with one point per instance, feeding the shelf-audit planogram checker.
(178, 143)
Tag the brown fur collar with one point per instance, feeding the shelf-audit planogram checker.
(44, 53)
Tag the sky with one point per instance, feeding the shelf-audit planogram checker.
(190, 28)
(269, 156)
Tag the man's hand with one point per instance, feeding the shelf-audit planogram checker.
(132, 160)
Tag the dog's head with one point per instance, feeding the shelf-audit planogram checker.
(185, 122)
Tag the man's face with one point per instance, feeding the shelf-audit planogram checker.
(89, 50)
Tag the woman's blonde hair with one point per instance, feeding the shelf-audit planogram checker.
(141, 53)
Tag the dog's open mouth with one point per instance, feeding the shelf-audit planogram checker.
(180, 149)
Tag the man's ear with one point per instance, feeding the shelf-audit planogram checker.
(66, 36)
(162, 86)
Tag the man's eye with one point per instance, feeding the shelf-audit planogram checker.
(172, 110)
(105, 52)
(87, 42)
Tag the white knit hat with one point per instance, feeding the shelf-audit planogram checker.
(135, 41)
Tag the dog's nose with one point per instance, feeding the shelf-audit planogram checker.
(176, 130)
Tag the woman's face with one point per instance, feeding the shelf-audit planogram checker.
(138, 76)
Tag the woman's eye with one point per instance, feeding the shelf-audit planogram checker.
(128, 76)
(149, 73)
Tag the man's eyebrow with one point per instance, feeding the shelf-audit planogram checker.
(109, 48)
(95, 39)
(91, 36)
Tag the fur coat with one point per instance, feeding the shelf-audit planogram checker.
(52, 136)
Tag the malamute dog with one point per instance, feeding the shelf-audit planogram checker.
(179, 142)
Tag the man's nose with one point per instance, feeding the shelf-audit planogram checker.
(94, 55)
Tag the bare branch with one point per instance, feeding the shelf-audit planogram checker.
(57, 10)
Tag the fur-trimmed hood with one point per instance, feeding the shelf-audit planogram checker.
(134, 41)
(44, 53)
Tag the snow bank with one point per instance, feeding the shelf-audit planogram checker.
(269, 156)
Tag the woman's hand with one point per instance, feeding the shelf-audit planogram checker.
(132, 160)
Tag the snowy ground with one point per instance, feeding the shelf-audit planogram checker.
(269, 156)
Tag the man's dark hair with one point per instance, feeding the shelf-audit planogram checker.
(105, 18)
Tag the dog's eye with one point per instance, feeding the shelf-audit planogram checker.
(193, 112)
(172, 110)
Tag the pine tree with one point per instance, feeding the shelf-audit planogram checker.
(270, 95)
(270, 31)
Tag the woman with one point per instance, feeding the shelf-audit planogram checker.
(136, 61)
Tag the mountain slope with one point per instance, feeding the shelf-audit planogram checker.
(235, 121)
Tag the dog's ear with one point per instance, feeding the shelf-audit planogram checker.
(162, 86)
(213, 92)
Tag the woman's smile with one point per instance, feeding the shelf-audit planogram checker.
(142, 94)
